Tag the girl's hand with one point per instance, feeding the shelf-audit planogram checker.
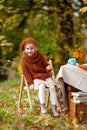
(48, 68)
(32, 87)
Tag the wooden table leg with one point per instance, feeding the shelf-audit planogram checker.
(69, 94)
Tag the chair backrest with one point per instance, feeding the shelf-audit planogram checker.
(53, 75)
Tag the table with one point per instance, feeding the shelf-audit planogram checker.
(75, 76)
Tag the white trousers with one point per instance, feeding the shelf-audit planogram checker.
(42, 84)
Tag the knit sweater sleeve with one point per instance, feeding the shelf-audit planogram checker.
(27, 74)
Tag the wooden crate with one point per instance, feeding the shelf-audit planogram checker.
(78, 110)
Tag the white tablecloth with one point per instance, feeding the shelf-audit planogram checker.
(74, 76)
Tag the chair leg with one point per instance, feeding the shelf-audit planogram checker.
(24, 82)
(21, 89)
(29, 97)
(47, 100)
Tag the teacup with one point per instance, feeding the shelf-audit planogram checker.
(72, 61)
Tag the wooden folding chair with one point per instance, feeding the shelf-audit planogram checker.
(24, 83)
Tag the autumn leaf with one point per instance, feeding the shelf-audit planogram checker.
(75, 121)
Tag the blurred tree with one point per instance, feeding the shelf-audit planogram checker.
(55, 24)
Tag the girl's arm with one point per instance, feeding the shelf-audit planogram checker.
(27, 74)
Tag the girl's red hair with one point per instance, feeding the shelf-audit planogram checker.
(28, 41)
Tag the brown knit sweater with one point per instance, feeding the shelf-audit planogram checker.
(34, 67)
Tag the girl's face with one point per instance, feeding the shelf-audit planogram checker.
(30, 49)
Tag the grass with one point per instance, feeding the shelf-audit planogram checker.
(13, 118)
(10, 83)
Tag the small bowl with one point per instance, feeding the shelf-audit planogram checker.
(72, 61)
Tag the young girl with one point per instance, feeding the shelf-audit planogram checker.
(37, 73)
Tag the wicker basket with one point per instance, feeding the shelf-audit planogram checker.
(78, 110)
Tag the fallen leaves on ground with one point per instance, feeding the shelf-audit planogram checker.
(13, 117)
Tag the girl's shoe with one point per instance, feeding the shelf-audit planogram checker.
(56, 114)
(43, 109)
(54, 110)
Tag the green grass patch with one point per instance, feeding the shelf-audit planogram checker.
(10, 83)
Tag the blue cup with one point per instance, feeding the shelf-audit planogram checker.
(72, 61)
